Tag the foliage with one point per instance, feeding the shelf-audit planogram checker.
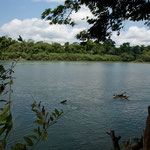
(44, 119)
(5, 112)
(108, 15)
(127, 57)
(90, 50)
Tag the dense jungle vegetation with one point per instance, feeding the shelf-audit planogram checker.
(89, 51)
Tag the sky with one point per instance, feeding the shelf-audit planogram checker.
(22, 17)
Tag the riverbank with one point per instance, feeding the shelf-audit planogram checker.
(70, 57)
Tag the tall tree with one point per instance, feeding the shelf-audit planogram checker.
(109, 15)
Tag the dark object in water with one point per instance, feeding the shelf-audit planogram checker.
(122, 96)
(63, 102)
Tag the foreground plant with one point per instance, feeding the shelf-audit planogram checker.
(44, 118)
(6, 123)
(44, 121)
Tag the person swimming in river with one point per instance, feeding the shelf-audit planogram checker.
(122, 96)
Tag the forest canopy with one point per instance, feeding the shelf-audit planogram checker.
(106, 51)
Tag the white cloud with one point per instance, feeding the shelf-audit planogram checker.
(134, 35)
(82, 14)
(49, 1)
(39, 30)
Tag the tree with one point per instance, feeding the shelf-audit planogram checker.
(125, 48)
(109, 46)
(5, 42)
(109, 15)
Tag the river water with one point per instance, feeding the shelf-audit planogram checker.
(91, 110)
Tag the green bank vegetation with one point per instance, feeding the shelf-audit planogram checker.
(89, 51)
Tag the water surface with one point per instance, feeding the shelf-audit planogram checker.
(91, 110)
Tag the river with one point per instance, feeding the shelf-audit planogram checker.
(91, 110)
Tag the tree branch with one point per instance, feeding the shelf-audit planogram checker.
(115, 139)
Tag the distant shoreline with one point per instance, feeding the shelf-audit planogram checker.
(88, 51)
(65, 57)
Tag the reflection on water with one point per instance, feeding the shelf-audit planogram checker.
(91, 109)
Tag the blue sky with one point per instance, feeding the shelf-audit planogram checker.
(22, 9)
(22, 17)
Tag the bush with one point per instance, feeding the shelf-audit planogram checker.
(127, 57)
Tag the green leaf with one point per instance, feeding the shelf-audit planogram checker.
(47, 114)
(9, 118)
(51, 118)
(35, 131)
(6, 108)
(2, 130)
(3, 117)
(39, 105)
(11, 82)
(4, 77)
(45, 136)
(28, 141)
(35, 110)
(2, 69)
(43, 110)
(40, 122)
(54, 115)
(57, 112)
(39, 115)
(33, 105)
